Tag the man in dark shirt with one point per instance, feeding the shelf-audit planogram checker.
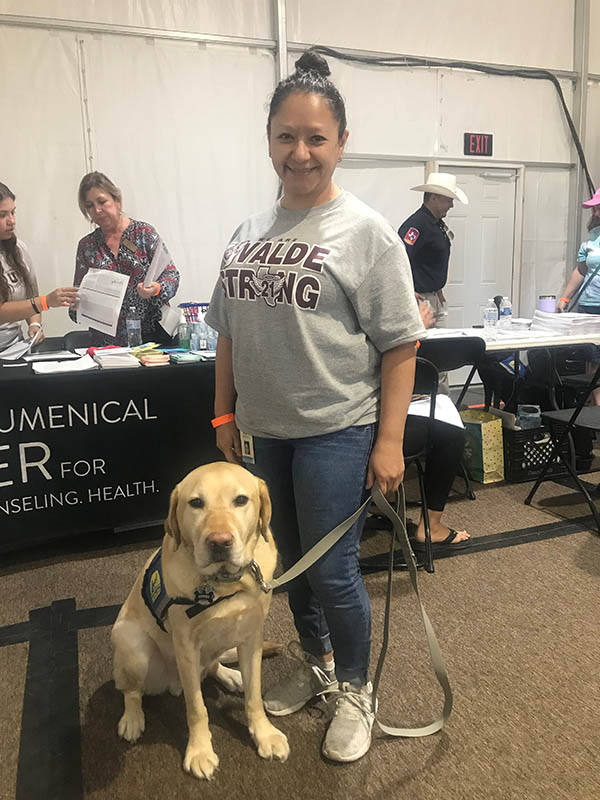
(427, 241)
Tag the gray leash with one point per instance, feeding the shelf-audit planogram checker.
(319, 549)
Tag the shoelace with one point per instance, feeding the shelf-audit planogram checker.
(362, 702)
(352, 704)
(297, 653)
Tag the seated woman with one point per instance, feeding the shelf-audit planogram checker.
(19, 298)
(127, 246)
(446, 445)
(447, 441)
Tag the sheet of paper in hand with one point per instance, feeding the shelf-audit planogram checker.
(160, 260)
(101, 296)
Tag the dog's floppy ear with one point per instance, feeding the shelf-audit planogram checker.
(265, 509)
(171, 524)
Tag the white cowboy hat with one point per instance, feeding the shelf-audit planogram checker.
(442, 183)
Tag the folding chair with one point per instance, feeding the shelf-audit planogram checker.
(454, 353)
(571, 418)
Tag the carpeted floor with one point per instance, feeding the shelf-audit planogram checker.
(516, 619)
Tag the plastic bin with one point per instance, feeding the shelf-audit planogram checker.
(526, 452)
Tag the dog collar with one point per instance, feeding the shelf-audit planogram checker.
(232, 577)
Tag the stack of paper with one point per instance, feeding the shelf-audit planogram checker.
(115, 359)
(185, 358)
(156, 359)
(568, 324)
(76, 365)
(16, 350)
(519, 324)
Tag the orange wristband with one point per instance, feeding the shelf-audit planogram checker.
(217, 421)
(158, 291)
(566, 299)
(44, 302)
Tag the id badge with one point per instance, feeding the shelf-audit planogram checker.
(247, 444)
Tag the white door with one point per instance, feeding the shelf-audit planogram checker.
(481, 260)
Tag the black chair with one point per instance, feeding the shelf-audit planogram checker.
(562, 424)
(454, 353)
(76, 339)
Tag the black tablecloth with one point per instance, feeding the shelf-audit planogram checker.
(99, 449)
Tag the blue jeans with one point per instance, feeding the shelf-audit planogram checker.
(315, 483)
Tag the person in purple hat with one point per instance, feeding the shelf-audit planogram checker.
(588, 260)
(588, 270)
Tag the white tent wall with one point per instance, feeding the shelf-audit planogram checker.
(176, 115)
(545, 254)
(594, 63)
(220, 17)
(593, 131)
(43, 156)
(538, 33)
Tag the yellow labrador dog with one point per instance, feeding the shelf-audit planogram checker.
(196, 598)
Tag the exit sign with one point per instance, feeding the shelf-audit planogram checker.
(478, 144)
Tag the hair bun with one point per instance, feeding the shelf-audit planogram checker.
(310, 61)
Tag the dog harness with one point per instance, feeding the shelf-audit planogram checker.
(159, 602)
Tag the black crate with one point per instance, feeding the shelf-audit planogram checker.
(526, 452)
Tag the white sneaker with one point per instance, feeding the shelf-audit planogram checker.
(308, 681)
(349, 735)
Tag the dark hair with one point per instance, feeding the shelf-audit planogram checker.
(96, 180)
(593, 221)
(13, 257)
(310, 77)
(426, 196)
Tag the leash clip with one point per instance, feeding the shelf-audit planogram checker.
(256, 573)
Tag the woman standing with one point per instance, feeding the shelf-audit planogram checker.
(316, 353)
(19, 298)
(123, 245)
(588, 259)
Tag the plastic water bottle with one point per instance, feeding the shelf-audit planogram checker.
(133, 323)
(197, 336)
(505, 313)
(211, 338)
(490, 319)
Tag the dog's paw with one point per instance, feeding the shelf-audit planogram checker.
(131, 725)
(272, 743)
(201, 763)
(231, 679)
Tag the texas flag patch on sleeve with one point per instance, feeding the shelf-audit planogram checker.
(411, 236)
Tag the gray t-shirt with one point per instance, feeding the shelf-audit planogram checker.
(12, 331)
(311, 299)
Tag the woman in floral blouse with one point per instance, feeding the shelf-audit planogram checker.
(124, 245)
